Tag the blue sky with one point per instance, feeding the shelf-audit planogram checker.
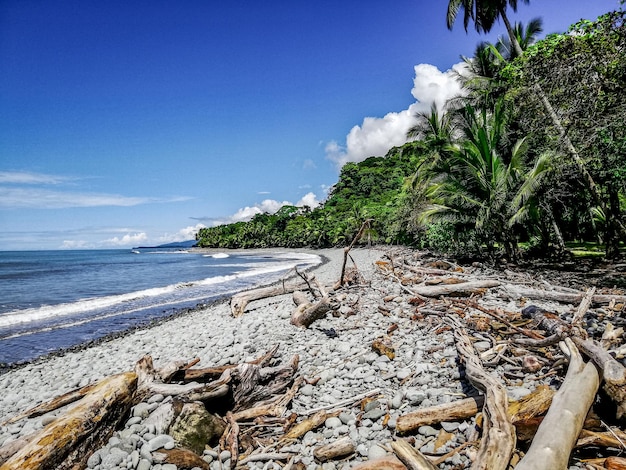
(126, 123)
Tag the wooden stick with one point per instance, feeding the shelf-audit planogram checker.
(549, 449)
(335, 450)
(411, 457)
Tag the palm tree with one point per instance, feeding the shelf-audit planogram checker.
(484, 13)
(526, 36)
(434, 127)
(476, 184)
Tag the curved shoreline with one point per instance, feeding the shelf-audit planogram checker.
(177, 313)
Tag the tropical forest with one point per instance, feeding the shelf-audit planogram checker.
(529, 161)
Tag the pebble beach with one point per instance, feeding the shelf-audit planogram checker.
(423, 372)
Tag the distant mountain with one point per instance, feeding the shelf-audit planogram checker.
(184, 244)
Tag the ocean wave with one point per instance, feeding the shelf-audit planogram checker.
(154, 297)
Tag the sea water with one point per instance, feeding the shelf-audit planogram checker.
(54, 300)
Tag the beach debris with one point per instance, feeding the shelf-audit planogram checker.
(531, 356)
(67, 442)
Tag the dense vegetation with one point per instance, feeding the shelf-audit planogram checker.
(534, 154)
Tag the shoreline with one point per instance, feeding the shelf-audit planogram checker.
(5, 367)
(326, 271)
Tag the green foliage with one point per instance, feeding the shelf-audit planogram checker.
(369, 190)
(489, 171)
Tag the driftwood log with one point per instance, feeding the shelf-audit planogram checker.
(66, 443)
(411, 457)
(550, 450)
(498, 441)
(239, 302)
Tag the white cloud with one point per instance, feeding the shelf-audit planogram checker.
(25, 177)
(270, 206)
(130, 239)
(309, 199)
(38, 198)
(375, 136)
(184, 234)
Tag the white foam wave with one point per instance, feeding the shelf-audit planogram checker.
(47, 312)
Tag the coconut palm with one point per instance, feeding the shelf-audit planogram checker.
(484, 14)
(525, 36)
(475, 183)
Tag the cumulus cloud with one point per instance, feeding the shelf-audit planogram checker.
(269, 206)
(375, 136)
(309, 199)
(184, 234)
(130, 239)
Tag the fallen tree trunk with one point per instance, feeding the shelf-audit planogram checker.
(498, 441)
(463, 288)
(549, 449)
(515, 292)
(66, 443)
(238, 302)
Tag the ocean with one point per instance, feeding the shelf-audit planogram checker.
(55, 300)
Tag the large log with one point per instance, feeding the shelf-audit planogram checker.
(238, 302)
(498, 442)
(550, 450)
(66, 442)
(464, 288)
(515, 292)
(519, 411)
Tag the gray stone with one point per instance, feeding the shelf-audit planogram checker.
(160, 441)
(142, 410)
(375, 451)
(332, 422)
(427, 431)
(144, 465)
(94, 460)
(450, 426)
(374, 414)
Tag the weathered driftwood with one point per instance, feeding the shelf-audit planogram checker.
(301, 428)
(307, 313)
(65, 443)
(614, 438)
(498, 442)
(382, 463)
(10, 449)
(459, 409)
(549, 449)
(411, 457)
(239, 302)
(150, 384)
(54, 404)
(613, 372)
(615, 463)
(276, 407)
(464, 288)
(183, 458)
(335, 450)
(515, 292)
(520, 411)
